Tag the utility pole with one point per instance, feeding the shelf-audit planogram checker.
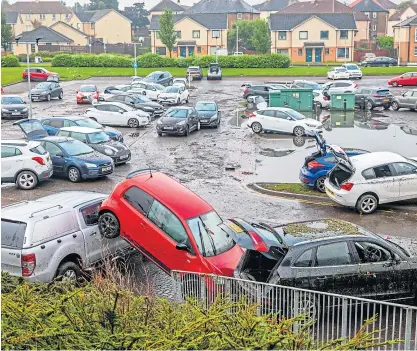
(399, 43)
(134, 49)
(237, 38)
(29, 88)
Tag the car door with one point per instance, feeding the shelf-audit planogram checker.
(58, 162)
(192, 115)
(285, 121)
(268, 120)
(103, 114)
(382, 181)
(32, 128)
(117, 115)
(406, 173)
(407, 99)
(10, 162)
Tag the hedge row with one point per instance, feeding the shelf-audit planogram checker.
(9, 61)
(154, 60)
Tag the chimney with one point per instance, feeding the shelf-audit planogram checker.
(333, 4)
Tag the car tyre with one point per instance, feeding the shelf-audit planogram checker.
(395, 84)
(74, 174)
(159, 134)
(108, 225)
(48, 97)
(187, 131)
(178, 101)
(386, 107)
(395, 106)
(133, 123)
(369, 105)
(69, 272)
(299, 131)
(367, 204)
(320, 184)
(187, 99)
(198, 125)
(26, 180)
(61, 95)
(256, 127)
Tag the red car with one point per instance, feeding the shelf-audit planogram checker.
(409, 78)
(39, 74)
(169, 224)
(87, 94)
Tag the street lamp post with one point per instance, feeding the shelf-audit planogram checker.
(237, 38)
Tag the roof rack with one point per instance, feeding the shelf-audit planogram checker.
(16, 203)
(140, 171)
(44, 209)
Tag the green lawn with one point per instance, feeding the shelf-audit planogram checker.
(14, 74)
(293, 188)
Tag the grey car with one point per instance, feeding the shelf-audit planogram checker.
(99, 141)
(369, 98)
(214, 72)
(208, 114)
(178, 121)
(13, 106)
(140, 102)
(406, 100)
(46, 91)
(258, 90)
(160, 77)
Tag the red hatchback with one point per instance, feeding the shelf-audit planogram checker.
(169, 224)
(409, 78)
(39, 74)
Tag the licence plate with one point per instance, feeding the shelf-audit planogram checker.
(204, 120)
(235, 227)
(105, 169)
(169, 128)
(329, 192)
(124, 157)
(15, 113)
(386, 100)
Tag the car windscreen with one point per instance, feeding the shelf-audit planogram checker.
(8, 100)
(210, 238)
(340, 69)
(43, 86)
(312, 85)
(159, 87)
(87, 89)
(75, 148)
(89, 123)
(140, 98)
(98, 138)
(383, 92)
(205, 106)
(193, 69)
(352, 67)
(296, 115)
(12, 233)
(174, 90)
(153, 76)
(180, 113)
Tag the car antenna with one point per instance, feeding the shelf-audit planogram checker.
(150, 172)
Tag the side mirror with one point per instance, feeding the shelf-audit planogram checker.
(76, 91)
(59, 154)
(24, 102)
(289, 118)
(184, 247)
(121, 111)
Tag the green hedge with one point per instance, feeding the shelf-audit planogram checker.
(9, 61)
(87, 60)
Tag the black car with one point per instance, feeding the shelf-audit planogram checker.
(159, 77)
(179, 121)
(379, 62)
(369, 98)
(325, 255)
(138, 101)
(261, 90)
(46, 91)
(112, 90)
(195, 71)
(306, 84)
(13, 107)
(208, 114)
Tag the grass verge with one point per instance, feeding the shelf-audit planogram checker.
(14, 74)
(293, 188)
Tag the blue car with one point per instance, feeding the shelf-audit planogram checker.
(315, 168)
(53, 124)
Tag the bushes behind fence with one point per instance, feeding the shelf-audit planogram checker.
(9, 61)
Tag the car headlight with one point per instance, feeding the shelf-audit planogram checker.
(181, 123)
(90, 165)
(159, 122)
(108, 152)
(5, 110)
(147, 109)
(25, 109)
(44, 93)
(311, 125)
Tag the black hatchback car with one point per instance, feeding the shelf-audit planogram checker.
(259, 90)
(179, 121)
(46, 91)
(159, 77)
(325, 255)
(380, 62)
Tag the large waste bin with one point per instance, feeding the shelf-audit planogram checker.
(275, 98)
(297, 99)
(342, 101)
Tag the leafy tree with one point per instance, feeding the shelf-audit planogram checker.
(137, 14)
(385, 42)
(4, 4)
(103, 4)
(403, 5)
(6, 32)
(167, 33)
(261, 37)
(245, 34)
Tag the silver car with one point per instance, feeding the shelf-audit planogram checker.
(353, 70)
(406, 100)
(341, 86)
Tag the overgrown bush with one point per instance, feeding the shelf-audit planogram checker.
(9, 61)
(87, 60)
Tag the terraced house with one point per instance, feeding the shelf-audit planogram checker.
(314, 37)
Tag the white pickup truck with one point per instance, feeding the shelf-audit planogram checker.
(55, 235)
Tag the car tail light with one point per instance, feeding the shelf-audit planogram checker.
(258, 242)
(314, 164)
(378, 96)
(252, 115)
(28, 264)
(346, 186)
(245, 90)
(39, 159)
(79, 96)
(355, 85)
(325, 98)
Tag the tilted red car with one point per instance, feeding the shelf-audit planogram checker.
(409, 78)
(87, 93)
(39, 74)
(169, 224)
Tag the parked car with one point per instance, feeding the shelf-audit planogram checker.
(379, 61)
(305, 84)
(195, 71)
(135, 79)
(46, 91)
(405, 100)
(151, 90)
(87, 94)
(214, 72)
(256, 103)
(25, 163)
(208, 113)
(324, 255)
(109, 92)
(99, 141)
(180, 81)
(159, 77)
(353, 70)
(282, 120)
(238, 53)
(409, 78)
(370, 98)
(179, 121)
(53, 124)
(338, 73)
(39, 74)
(13, 106)
(316, 166)
(118, 114)
(366, 181)
(321, 100)
(123, 87)
(140, 102)
(368, 56)
(174, 95)
(259, 90)
(55, 236)
(342, 86)
(182, 229)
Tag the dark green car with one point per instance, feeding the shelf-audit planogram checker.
(46, 91)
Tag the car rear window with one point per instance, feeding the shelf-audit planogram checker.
(12, 233)
(38, 150)
(383, 92)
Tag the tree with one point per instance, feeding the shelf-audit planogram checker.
(167, 34)
(4, 4)
(245, 34)
(103, 4)
(261, 38)
(36, 23)
(385, 42)
(6, 33)
(137, 14)
(403, 5)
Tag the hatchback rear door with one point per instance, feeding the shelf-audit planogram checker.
(32, 128)
(342, 158)
(12, 238)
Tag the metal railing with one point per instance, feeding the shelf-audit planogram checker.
(328, 316)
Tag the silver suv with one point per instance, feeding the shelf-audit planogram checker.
(406, 100)
(55, 235)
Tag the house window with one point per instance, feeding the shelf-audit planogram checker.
(27, 17)
(343, 52)
(215, 34)
(48, 43)
(178, 34)
(415, 51)
(327, 51)
(282, 51)
(367, 14)
(374, 27)
(282, 35)
(374, 14)
(161, 51)
(157, 35)
(303, 35)
(324, 34)
(92, 25)
(239, 16)
(300, 52)
(32, 47)
(415, 34)
(54, 16)
(344, 34)
(67, 16)
(42, 16)
(199, 49)
(196, 34)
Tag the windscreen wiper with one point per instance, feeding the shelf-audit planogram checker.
(203, 247)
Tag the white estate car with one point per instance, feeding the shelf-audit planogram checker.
(353, 70)
(341, 86)
(338, 73)
(283, 120)
(118, 114)
(176, 94)
(25, 163)
(367, 180)
(151, 90)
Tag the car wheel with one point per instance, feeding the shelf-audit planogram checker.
(48, 97)
(187, 99)
(108, 225)
(133, 123)
(395, 84)
(369, 105)
(178, 101)
(74, 174)
(187, 130)
(319, 105)
(159, 134)
(367, 204)
(170, 82)
(61, 95)
(320, 184)
(386, 107)
(299, 131)
(256, 127)
(198, 125)
(26, 180)
(395, 106)
(68, 272)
